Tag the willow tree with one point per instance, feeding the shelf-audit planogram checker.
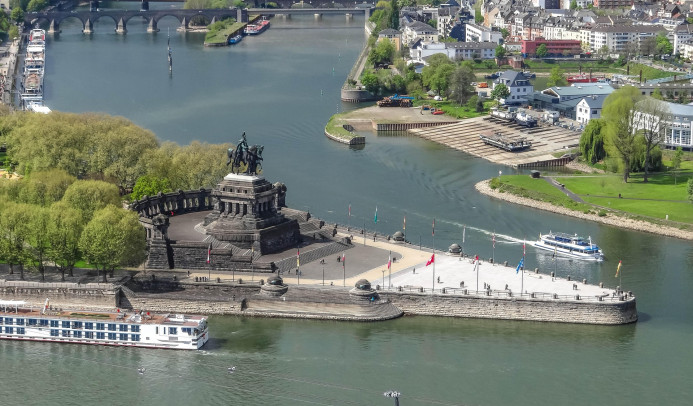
(622, 125)
(651, 114)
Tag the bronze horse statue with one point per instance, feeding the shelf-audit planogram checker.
(244, 154)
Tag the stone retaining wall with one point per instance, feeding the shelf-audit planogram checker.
(515, 308)
(357, 140)
(63, 295)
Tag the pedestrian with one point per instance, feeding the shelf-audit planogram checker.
(414, 270)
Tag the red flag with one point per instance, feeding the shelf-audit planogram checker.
(389, 261)
(477, 258)
(434, 228)
(494, 240)
(432, 260)
(209, 251)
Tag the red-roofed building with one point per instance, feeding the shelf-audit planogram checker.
(556, 47)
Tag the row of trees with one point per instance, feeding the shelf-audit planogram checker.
(630, 130)
(51, 219)
(113, 149)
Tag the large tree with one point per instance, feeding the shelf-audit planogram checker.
(592, 141)
(382, 52)
(113, 238)
(620, 115)
(66, 225)
(500, 51)
(88, 196)
(394, 15)
(651, 113)
(501, 91)
(37, 241)
(557, 78)
(461, 88)
(43, 187)
(542, 50)
(676, 162)
(436, 75)
(14, 223)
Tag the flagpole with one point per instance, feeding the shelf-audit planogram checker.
(464, 231)
(493, 250)
(252, 268)
(298, 264)
(522, 283)
(434, 257)
(389, 272)
(344, 269)
(477, 276)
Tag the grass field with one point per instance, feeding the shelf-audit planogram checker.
(221, 36)
(335, 127)
(538, 189)
(660, 186)
(455, 110)
(681, 212)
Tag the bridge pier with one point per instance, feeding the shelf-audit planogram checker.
(54, 27)
(184, 23)
(317, 16)
(120, 28)
(152, 26)
(144, 6)
(88, 27)
(286, 17)
(242, 15)
(214, 20)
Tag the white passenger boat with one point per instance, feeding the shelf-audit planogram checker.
(571, 246)
(19, 321)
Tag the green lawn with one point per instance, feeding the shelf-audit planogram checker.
(649, 73)
(222, 35)
(681, 212)
(335, 127)
(455, 110)
(659, 186)
(538, 189)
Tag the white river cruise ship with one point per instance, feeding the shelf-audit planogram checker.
(19, 321)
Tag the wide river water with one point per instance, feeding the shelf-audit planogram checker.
(281, 87)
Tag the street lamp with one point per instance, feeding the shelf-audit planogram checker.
(393, 394)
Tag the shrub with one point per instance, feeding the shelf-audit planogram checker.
(601, 213)
(495, 183)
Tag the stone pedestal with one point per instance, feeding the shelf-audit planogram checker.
(247, 213)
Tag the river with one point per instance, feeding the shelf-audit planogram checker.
(281, 87)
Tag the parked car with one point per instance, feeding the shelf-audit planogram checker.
(483, 85)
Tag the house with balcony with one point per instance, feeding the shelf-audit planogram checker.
(456, 51)
(518, 84)
(676, 126)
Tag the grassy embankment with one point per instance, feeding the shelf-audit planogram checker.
(454, 110)
(220, 31)
(335, 128)
(651, 201)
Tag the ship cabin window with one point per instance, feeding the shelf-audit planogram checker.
(111, 327)
(0, 320)
(123, 337)
(134, 337)
(55, 323)
(172, 331)
(20, 322)
(31, 322)
(76, 324)
(135, 328)
(186, 330)
(77, 334)
(89, 334)
(100, 336)
(55, 333)
(9, 330)
(20, 330)
(123, 327)
(100, 326)
(157, 330)
(88, 325)
(9, 321)
(65, 333)
(111, 336)
(66, 324)
(43, 322)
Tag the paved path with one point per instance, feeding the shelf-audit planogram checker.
(562, 188)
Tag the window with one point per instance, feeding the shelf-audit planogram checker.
(77, 334)
(9, 321)
(172, 330)
(65, 333)
(55, 323)
(88, 325)
(0, 320)
(89, 334)
(54, 333)
(100, 336)
(111, 336)
(9, 330)
(123, 327)
(32, 322)
(111, 327)
(123, 337)
(186, 330)
(20, 330)
(43, 323)
(134, 337)
(135, 329)
(66, 324)
(77, 324)
(20, 322)
(100, 326)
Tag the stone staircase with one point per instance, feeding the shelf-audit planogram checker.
(333, 248)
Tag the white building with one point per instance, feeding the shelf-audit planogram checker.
(518, 84)
(419, 31)
(589, 107)
(455, 50)
(479, 33)
(618, 38)
(677, 126)
(682, 33)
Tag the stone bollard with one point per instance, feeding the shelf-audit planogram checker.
(197, 279)
(532, 295)
(420, 290)
(490, 260)
(464, 292)
(555, 295)
(577, 297)
(552, 274)
(505, 263)
(584, 281)
(218, 279)
(444, 290)
(240, 281)
(568, 277)
(601, 284)
(377, 287)
(600, 298)
(262, 281)
(536, 270)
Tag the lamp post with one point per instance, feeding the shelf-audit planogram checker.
(393, 394)
(383, 278)
(323, 275)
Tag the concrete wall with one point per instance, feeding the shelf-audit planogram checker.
(73, 296)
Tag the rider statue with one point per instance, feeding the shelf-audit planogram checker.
(249, 155)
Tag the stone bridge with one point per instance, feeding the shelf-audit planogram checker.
(121, 17)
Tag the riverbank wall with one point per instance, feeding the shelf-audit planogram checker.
(167, 292)
(353, 91)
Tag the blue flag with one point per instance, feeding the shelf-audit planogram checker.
(520, 265)
(375, 218)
